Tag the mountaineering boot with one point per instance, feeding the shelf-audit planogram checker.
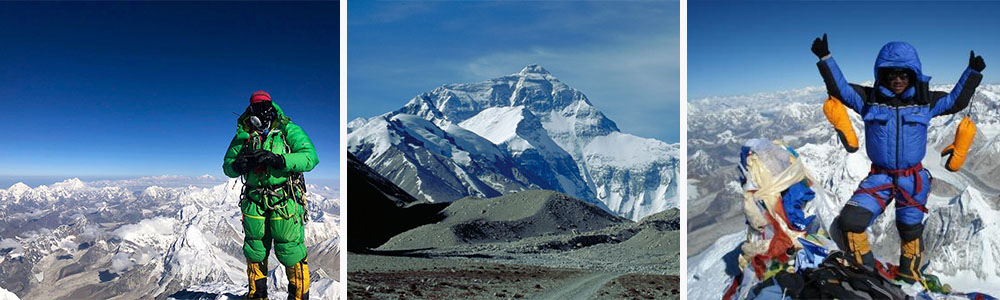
(853, 225)
(859, 249)
(257, 274)
(959, 149)
(911, 257)
(298, 280)
(911, 252)
(836, 113)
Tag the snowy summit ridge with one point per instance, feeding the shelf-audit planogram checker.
(962, 227)
(549, 136)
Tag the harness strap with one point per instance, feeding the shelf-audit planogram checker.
(266, 193)
(893, 186)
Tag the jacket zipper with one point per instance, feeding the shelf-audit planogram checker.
(899, 137)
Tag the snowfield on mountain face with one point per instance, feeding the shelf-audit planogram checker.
(544, 133)
(7, 295)
(962, 227)
(496, 124)
(626, 151)
(134, 239)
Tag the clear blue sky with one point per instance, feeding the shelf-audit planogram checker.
(622, 55)
(746, 47)
(127, 89)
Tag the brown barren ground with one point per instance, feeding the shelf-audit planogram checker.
(641, 286)
(420, 278)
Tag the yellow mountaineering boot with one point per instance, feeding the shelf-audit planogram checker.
(836, 113)
(298, 280)
(859, 249)
(957, 151)
(911, 257)
(257, 273)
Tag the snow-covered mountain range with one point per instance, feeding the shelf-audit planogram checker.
(522, 131)
(963, 226)
(143, 238)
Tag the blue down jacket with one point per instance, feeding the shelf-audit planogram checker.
(896, 125)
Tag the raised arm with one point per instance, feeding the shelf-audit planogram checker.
(959, 97)
(836, 85)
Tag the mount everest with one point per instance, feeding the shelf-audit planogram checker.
(963, 225)
(151, 237)
(522, 131)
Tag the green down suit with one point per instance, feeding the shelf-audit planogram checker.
(269, 211)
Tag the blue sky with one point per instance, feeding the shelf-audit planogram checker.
(746, 47)
(622, 55)
(131, 89)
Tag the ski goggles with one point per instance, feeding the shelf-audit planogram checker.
(893, 74)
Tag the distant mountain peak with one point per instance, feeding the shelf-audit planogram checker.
(534, 69)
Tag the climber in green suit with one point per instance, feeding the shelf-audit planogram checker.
(271, 153)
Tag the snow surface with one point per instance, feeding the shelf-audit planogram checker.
(627, 151)
(963, 226)
(496, 124)
(553, 135)
(178, 236)
(7, 295)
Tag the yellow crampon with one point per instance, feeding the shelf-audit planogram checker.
(959, 149)
(836, 113)
(298, 280)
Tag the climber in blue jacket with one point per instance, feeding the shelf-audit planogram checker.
(896, 111)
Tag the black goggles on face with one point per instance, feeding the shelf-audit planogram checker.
(262, 108)
(897, 73)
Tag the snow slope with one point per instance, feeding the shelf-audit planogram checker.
(962, 228)
(551, 134)
(133, 239)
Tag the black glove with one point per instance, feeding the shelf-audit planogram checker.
(268, 158)
(976, 62)
(244, 162)
(820, 47)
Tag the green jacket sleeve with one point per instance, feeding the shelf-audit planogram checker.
(302, 157)
(235, 146)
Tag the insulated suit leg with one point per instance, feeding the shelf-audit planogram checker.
(909, 223)
(859, 213)
(906, 213)
(257, 237)
(256, 246)
(288, 234)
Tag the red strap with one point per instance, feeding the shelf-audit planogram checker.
(731, 291)
(759, 266)
(874, 192)
(887, 270)
(896, 173)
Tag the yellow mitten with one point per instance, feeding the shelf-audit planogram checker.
(959, 149)
(836, 113)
